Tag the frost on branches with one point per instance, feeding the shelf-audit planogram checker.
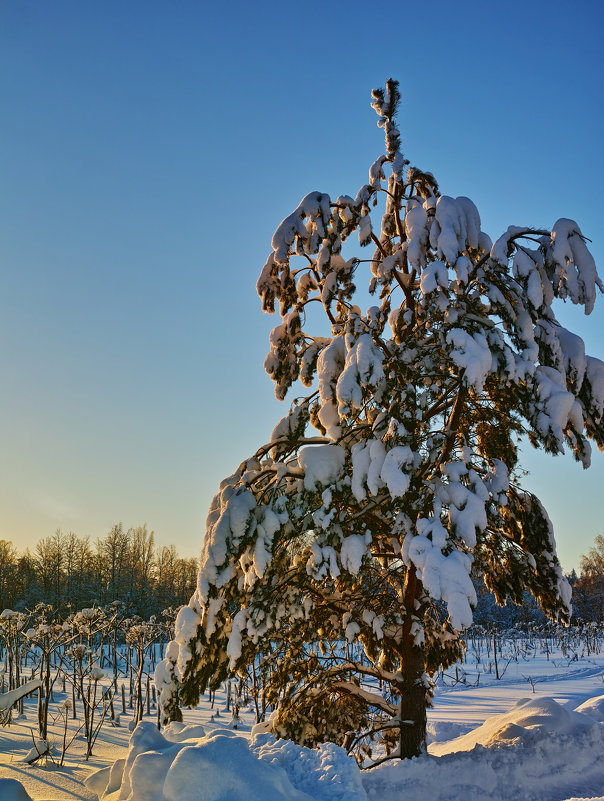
(337, 559)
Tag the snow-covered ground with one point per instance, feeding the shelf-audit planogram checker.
(489, 739)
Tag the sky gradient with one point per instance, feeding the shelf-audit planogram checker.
(148, 151)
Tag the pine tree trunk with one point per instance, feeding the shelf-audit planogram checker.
(414, 699)
(413, 703)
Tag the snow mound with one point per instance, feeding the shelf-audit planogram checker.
(222, 765)
(530, 719)
(178, 732)
(538, 751)
(12, 790)
(144, 738)
(97, 782)
(594, 707)
(325, 773)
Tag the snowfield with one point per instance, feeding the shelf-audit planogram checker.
(489, 739)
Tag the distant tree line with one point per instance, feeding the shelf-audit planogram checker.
(70, 573)
(587, 601)
(588, 589)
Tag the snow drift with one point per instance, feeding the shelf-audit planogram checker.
(12, 790)
(594, 707)
(538, 751)
(224, 765)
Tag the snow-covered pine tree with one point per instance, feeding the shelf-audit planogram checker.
(338, 560)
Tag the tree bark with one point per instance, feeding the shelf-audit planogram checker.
(414, 700)
(413, 704)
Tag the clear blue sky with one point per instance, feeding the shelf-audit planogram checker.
(147, 152)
